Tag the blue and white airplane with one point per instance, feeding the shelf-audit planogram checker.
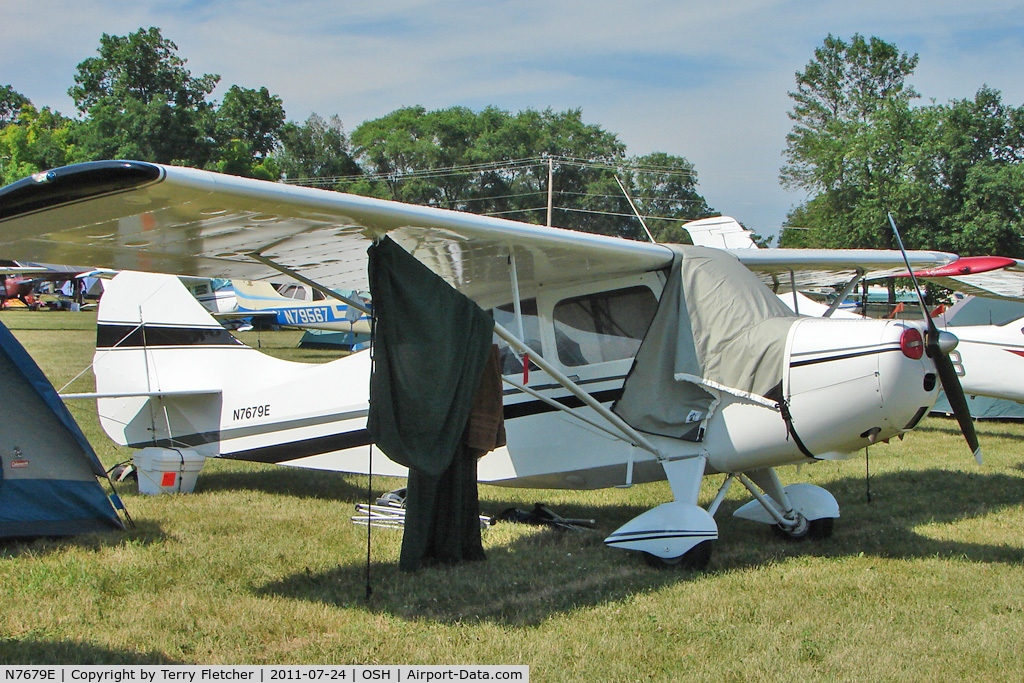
(297, 305)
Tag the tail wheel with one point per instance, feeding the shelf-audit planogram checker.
(694, 559)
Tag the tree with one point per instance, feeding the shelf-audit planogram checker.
(141, 102)
(316, 149)
(143, 66)
(11, 103)
(852, 140)
(951, 174)
(838, 94)
(39, 140)
(252, 116)
(146, 131)
(971, 182)
(494, 162)
(666, 186)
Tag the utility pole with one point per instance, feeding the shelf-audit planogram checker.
(551, 175)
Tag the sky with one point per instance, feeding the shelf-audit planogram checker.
(708, 81)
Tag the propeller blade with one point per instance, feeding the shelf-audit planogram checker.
(957, 399)
(943, 365)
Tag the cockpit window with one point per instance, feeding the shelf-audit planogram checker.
(601, 327)
(297, 292)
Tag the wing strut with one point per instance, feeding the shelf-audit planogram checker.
(517, 308)
(845, 293)
(792, 285)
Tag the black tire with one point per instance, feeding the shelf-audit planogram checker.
(695, 559)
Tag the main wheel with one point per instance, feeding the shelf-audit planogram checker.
(694, 559)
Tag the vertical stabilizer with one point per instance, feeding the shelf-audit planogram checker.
(172, 377)
(720, 232)
(161, 361)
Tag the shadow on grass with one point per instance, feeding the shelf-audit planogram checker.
(144, 533)
(544, 572)
(520, 584)
(28, 651)
(987, 429)
(292, 481)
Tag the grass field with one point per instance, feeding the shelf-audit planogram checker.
(261, 565)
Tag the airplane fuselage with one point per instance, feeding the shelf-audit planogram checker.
(990, 359)
(226, 399)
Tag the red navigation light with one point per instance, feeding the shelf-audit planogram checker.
(912, 343)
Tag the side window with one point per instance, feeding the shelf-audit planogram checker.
(297, 292)
(506, 317)
(602, 327)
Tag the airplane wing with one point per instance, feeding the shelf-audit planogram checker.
(130, 215)
(141, 216)
(781, 269)
(785, 269)
(987, 276)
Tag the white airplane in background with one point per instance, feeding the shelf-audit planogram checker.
(990, 356)
(217, 295)
(770, 388)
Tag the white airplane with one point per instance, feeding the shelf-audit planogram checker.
(646, 361)
(217, 295)
(990, 356)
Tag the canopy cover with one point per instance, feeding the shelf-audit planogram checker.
(717, 329)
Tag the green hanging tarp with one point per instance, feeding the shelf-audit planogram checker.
(430, 347)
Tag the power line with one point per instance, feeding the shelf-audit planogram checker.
(502, 165)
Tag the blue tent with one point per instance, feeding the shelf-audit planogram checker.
(48, 469)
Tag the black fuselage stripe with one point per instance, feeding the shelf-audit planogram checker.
(527, 408)
(544, 387)
(296, 450)
(109, 336)
(304, 448)
(845, 356)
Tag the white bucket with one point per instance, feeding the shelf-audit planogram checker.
(167, 470)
